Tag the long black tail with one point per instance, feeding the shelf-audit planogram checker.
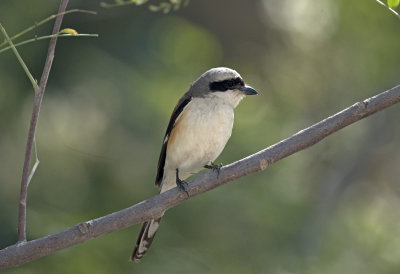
(145, 238)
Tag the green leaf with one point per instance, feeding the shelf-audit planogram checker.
(393, 3)
(154, 8)
(139, 2)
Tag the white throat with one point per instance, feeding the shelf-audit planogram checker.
(229, 97)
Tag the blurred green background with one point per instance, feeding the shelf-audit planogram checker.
(333, 208)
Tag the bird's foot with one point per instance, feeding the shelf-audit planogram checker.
(181, 184)
(214, 167)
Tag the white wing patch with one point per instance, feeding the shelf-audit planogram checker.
(166, 139)
(153, 228)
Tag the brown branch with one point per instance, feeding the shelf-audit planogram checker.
(32, 128)
(151, 208)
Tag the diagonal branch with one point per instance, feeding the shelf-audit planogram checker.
(151, 208)
(32, 128)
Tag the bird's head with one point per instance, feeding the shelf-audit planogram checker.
(222, 84)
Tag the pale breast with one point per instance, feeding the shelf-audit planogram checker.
(200, 134)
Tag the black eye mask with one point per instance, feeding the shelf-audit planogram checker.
(225, 85)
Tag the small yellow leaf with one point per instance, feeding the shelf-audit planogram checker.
(69, 31)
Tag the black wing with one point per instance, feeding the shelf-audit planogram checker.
(161, 161)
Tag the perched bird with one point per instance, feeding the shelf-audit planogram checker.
(198, 131)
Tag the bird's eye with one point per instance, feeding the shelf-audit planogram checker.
(226, 84)
(230, 84)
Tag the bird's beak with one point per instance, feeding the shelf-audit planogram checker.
(248, 90)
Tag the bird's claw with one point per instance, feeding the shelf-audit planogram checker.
(181, 184)
(214, 167)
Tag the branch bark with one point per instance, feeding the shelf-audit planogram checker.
(32, 128)
(24, 252)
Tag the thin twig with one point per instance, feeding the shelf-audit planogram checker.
(151, 208)
(21, 61)
(47, 37)
(35, 88)
(32, 128)
(36, 164)
(392, 10)
(46, 20)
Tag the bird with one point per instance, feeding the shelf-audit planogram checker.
(199, 128)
